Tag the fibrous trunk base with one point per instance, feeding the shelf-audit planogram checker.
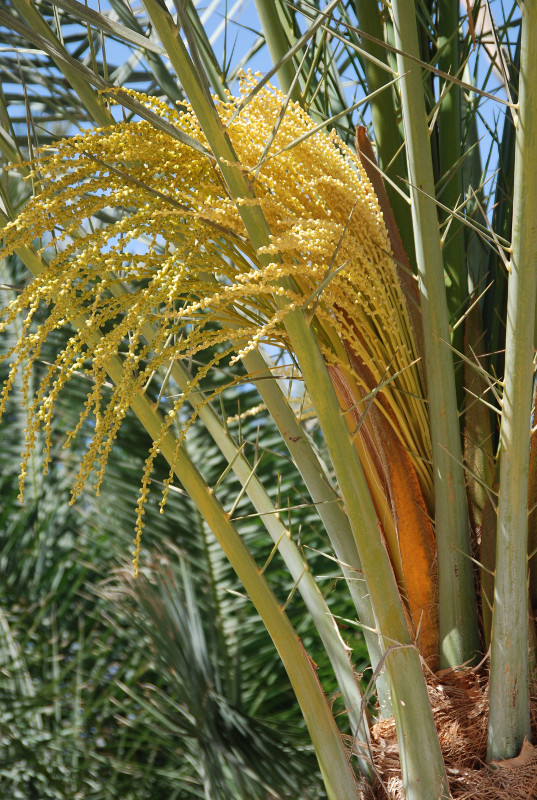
(460, 705)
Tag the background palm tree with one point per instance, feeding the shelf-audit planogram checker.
(112, 688)
(422, 77)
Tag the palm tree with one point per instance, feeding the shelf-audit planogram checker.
(179, 241)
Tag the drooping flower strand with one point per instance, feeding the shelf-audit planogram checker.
(139, 230)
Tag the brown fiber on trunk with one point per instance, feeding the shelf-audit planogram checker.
(459, 700)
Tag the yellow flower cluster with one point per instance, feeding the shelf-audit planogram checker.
(139, 230)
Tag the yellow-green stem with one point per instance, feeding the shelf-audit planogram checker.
(387, 137)
(329, 508)
(450, 173)
(509, 714)
(423, 770)
(459, 636)
(94, 104)
(298, 567)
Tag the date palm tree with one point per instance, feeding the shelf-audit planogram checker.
(214, 230)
